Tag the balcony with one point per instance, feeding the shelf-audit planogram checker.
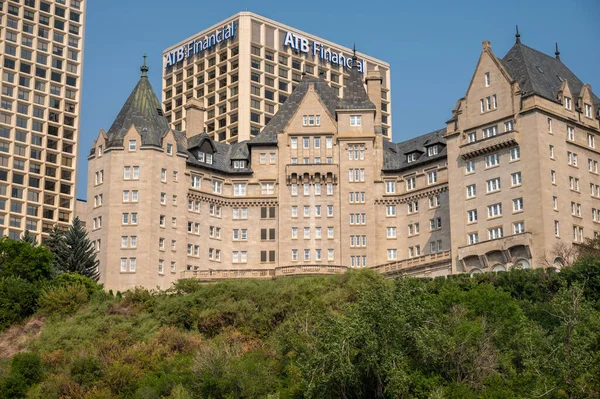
(306, 270)
(490, 144)
(502, 252)
(216, 275)
(411, 264)
(325, 172)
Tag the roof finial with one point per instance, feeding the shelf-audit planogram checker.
(354, 58)
(144, 68)
(518, 36)
(557, 53)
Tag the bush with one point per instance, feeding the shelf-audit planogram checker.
(62, 300)
(29, 366)
(18, 300)
(13, 386)
(139, 297)
(85, 370)
(75, 278)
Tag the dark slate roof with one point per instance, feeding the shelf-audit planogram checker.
(522, 63)
(355, 95)
(394, 156)
(268, 136)
(142, 111)
(222, 157)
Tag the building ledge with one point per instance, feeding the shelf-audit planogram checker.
(490, 144)
(409, 265)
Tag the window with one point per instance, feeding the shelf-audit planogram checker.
(495, 233)
(577, 234)
(592, 165)
(472, 216)
(391, 232)
(355, 120)
(517, 204)
(434, 201)
(330, 232)
(508, 126)
(493, 185)
(588, 110)
(390, 210)
(567, 102)
(356, 152)
(432, 177)
(515, 153)
(329, 142)
(473, 238)
(294, 142)
(390, 187)
(492, 160)
(435, 246)
(490, 131)
(551, 150)
(573, 183)
(412, 157)
(433, 150)
(305, 142)
(267, 188)
(239, 189)
(472, 137)
(571, 133)
(571, 158)
(487, 79)
(516, 179)
(413, 206)
(196, 181)
(356, 175)
(392, 254)
(470, 166)
(435, 224)
(411, 183)
(132, 145)
(329, 210)
(311, 120)
(575, 209)
(591, 141)
(553, 176)
(494, 210)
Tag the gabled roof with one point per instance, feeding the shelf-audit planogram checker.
(222, 157)
(541, 74)
(268, 135)
(394, 155)
(143, 111)
(355, 95)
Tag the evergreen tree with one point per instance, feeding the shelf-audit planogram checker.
(29, 238)
(74, 252)
(55, 243)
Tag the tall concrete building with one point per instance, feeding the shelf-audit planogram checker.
(320, 190)
(243, 68)
(41, 53)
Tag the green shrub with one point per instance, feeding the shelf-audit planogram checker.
(62, 300)
(138, 297)
(86, 370)
(14, 385)
(18, 300)
(29, 366)
(75, 278)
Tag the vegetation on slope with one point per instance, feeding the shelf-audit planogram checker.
(519, 334)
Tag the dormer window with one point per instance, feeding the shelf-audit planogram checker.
(239, 164)
(200, 156)
(355, 120)
(567, 102)
(412, 157)
(169, 149)
(311, 120)
(433, 150)
(100, 150)
(209, 159)
(132, 145)
(588, 110)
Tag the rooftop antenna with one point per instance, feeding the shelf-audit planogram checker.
(557, 53)
(518, 36)
(144, 68)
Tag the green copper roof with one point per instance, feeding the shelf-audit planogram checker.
(142, 110)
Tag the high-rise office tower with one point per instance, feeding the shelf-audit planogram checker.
(243, 68)
(41, 56)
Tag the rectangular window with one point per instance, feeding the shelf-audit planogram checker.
(515, 153)
(517, 204)
(473, 238)
(495, 233)
(239, 189)
(494, 210)
(516, 179)
(355, 120)
(470, 166)
(492, 160)
(493, 185)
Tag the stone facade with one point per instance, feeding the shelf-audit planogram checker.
(321, 189)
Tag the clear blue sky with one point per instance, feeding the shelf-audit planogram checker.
(432, 46)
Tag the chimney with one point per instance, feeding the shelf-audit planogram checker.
(194, 117)
(374, 81)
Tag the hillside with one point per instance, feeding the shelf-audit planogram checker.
(518, 334)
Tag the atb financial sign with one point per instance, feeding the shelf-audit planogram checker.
(316, 49)
(197, 46)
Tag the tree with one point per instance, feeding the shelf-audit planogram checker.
(19, 259)
(29, 238)
(74, 252)
(54, 242)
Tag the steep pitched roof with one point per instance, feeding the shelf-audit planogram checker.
(286, 111)
(142, 110)
(394, 156)
(355, 95)
(541, 74)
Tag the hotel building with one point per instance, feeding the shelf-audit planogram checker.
(243, 68)
(41, 56)
(320, 190)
